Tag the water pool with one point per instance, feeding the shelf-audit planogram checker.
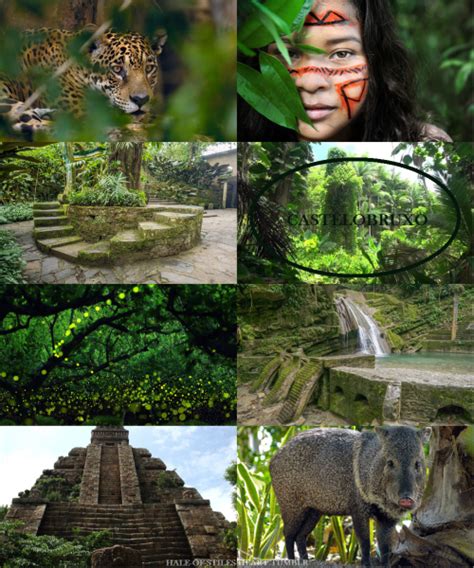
(457, 363)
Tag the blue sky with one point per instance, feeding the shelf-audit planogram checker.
(372, 150)
(200, 455)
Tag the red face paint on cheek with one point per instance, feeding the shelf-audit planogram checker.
(352, 94)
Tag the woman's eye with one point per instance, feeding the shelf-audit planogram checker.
(342, 54)
(294, 53)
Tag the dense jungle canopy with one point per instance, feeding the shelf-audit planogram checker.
(107, 354)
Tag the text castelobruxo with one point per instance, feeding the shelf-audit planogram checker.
(360, 219)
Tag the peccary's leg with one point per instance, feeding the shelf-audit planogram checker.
(362, 530)
(384, 540)
(310, 520)
(290, 546)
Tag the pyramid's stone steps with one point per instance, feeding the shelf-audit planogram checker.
(155, 530)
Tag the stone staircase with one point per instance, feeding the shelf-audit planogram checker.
(154, 529)
(174, 228)
(300, 391)
(110, 491)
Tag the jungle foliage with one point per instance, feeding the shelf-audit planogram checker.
(21, 550)
(199, 87)
(117, 354)
(267, 238)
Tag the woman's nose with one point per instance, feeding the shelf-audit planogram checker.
(311, 79)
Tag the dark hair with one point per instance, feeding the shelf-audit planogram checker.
(389, 111)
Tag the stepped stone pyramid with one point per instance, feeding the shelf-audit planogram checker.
(112, 486)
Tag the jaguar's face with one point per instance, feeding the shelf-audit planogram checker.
(131, 71)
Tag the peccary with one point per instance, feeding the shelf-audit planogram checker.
(335, 471)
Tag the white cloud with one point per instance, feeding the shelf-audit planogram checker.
(220, 501)
(21, 470)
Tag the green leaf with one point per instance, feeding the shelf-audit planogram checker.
(462, 77)
(252, 87)
(254, 34)
(276, 37)
(276, 74)
(451, 63)
(298, 22)
(309, 48)
(246, 479)
(279, 22)
(246, 50)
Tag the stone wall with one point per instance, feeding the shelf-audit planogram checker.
(99, 223)
(91, 477)
(203, 529)
(128, 476)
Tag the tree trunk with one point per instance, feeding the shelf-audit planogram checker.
(68, 154)
(75, 14)
(129, 158)
(454, 325)
(441, 534)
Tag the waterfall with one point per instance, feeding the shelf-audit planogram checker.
(352, 317)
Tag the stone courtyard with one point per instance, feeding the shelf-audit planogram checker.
(212, 261)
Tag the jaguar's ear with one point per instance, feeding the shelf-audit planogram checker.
(159, 41)
(94, 45)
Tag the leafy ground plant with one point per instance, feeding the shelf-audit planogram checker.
(11, 262)
(15, 212)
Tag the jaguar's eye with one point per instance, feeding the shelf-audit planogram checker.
(117, 69)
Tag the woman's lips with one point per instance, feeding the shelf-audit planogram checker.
(319, 112)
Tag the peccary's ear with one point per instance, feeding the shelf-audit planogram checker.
(425, 434)
(159, 41)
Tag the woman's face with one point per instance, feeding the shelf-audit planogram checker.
(332, 85)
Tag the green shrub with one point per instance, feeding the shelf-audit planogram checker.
(11, 262)
(111, 190)
(166, 481)
(16, 212)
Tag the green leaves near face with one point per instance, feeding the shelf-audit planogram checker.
(272, 92)
(287, 16)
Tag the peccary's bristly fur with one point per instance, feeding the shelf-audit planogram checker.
(335, 471)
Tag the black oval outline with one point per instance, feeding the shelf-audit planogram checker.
(380, 161)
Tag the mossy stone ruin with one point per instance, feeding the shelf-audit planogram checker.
(112, 486)
(95, 235)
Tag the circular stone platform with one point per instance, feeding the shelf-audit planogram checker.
(111, 235)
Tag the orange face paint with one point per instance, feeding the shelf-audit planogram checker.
(352, 94)
(327, 19)
(329, 71)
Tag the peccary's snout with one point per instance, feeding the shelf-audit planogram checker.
(407, 503)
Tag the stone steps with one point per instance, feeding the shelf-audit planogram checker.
(50, 221)
(155, 530)
(174, 229)
(46, 213)
(46, 205)
(53, 232)
(290, 407)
